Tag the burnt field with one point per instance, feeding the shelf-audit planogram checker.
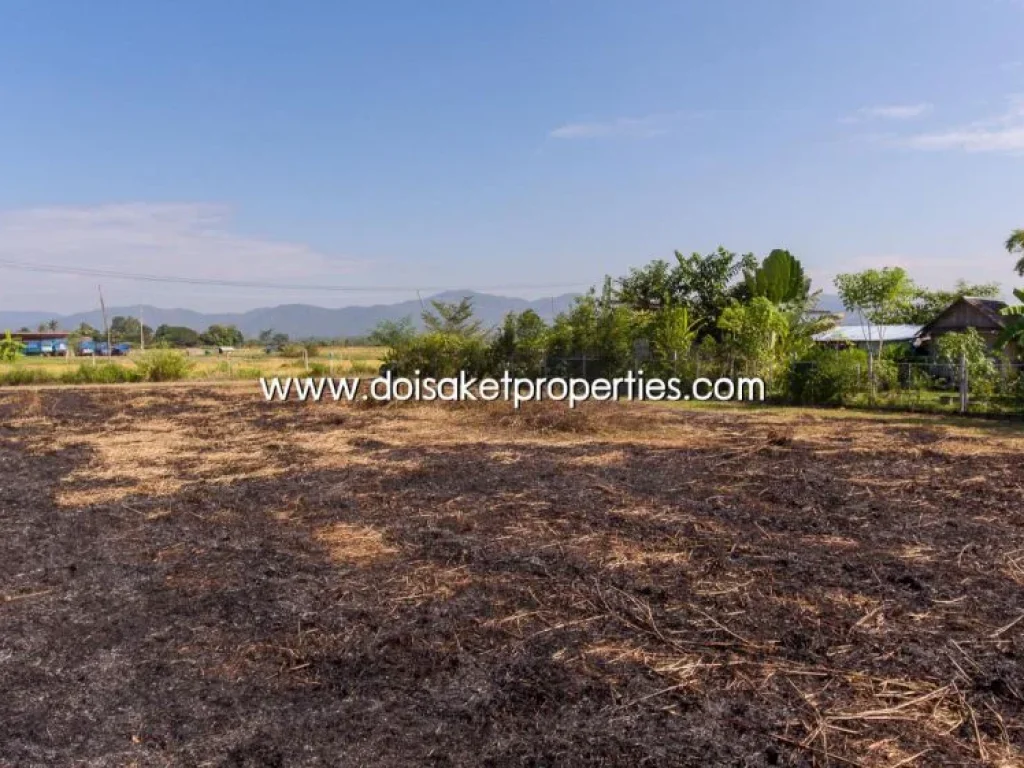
(194, 577)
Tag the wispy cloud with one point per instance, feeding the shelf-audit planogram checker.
(1003, 134)
(622, 127)
(889, 112)
(195, 240)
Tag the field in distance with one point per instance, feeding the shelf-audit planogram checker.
(242, 362)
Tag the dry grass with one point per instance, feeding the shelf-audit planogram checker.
(195, 577)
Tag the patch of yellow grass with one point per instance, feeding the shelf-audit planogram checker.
(353, 543)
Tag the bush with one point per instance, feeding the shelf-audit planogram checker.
(299, 350)
(20, 376)
(103, 373)
(829, 376)
(439, 354)
(163, 365)
(362, 368)
(247, 373)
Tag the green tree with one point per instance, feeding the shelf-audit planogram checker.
(520, 345)
(1015, 245)
(452, 317)
(706, 283)
(648, 288)
(672, 334)
(222, 336)
(596, 334)
(393, 334)
(176, 336)
(780, 278)
(270, 338)
(755, 332)
(876, 296)
(10, 348)
(128, 329)
(970, 347)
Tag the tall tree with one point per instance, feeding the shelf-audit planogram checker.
(176, 336)
(705, 283)
(393, 334)
(455, 318)
(222, 336)
(755, 331)
(520, 344)
(1015, 245)
(672, 334)
(129, 329)
(875, 295)
(780, 278)
(649, 287)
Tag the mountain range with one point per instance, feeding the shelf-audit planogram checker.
(308, 321)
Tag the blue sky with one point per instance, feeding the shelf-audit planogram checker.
(472, 144)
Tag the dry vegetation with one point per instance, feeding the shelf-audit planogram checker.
(194, 577)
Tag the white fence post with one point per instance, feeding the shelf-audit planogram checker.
(964, 396)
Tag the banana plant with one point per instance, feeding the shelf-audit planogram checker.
(1014, 330)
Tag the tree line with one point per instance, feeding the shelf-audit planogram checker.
(700, 314)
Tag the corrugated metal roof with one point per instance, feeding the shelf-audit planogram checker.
(856, 334)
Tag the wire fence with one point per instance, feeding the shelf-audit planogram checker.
(989, 387)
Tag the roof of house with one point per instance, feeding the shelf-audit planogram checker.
(989, 308)
(40, 335)
(855, 334)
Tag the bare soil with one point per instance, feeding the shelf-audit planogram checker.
(198, 578)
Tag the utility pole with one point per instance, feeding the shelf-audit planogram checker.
(106, 326)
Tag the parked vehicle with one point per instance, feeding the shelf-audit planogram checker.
(86, 348)
(33, 348)
(121, 349)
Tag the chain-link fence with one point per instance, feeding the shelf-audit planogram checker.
(988, 387)
(985, 387)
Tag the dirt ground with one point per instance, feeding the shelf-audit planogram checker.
(195, 577)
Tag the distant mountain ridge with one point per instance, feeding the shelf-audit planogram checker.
(300, 320)
(309, 321)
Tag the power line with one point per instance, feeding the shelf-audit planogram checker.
(142, 277)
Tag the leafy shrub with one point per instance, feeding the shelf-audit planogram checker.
(439, 354)
(319, 369)
(363, 368)
(163, 365)
(20, 376)
(829, 376)
(247, 373)
(103, 373)
(10, 348)
(299, 350)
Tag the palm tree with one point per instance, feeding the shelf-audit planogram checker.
(1015, 244)
(53, 325)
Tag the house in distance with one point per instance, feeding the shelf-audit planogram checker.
(983, 315)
